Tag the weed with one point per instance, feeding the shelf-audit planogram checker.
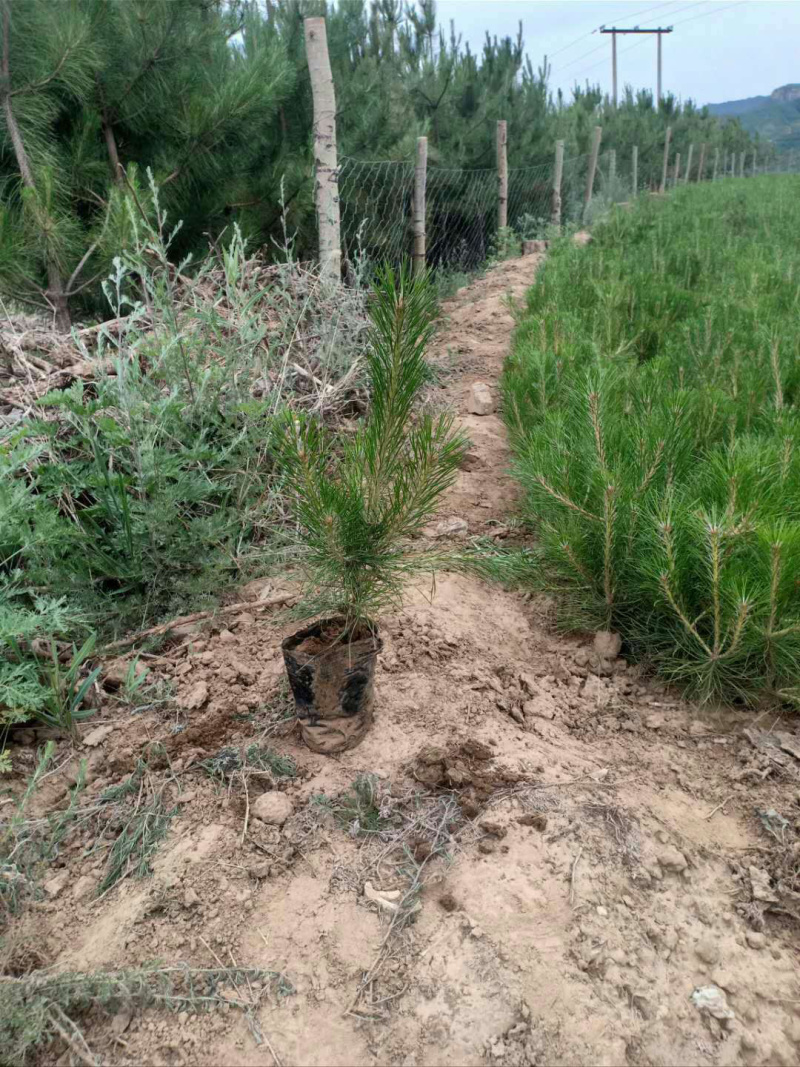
(144, 828)
(38, 1010)
(230, 761)
(28, 845)
(359, 810)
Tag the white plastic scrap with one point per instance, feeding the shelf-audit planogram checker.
(711, 999)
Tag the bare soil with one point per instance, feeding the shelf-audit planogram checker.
(606, 856)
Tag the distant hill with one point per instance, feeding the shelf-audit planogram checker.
(775, 117)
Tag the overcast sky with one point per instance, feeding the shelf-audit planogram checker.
(719, 50)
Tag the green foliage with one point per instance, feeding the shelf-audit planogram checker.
(359, 502)
(215, 99)
(652, 398)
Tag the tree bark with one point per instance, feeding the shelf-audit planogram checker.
(325, 161)
(502, 174)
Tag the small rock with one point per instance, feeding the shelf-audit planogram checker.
(121, 1021)
(476, 932)
(195, 698)
(497, 829)
(712, 1001)
(487, 846)
(471, 461)
(83, 888)
(480, 399)
(540, 709)
(536, 819)
(759, 881)
(246, 619)
(601, 911)
(748, 1041)
(724, 979)
(595, 689)
(707, 950)
(698, 729)
(227, 638)
(607, 645)
(755, 939)
(272, 808)
(187, 797)
(261, 869)
(54, 885)
(453, 527)
(116, 672)
(655, 721)
(96, 736)
(190, 898)
(672, 860)
(516, 714)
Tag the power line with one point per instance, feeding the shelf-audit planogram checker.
(577, 40)
(636, 44)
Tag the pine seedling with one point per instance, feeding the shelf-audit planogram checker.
(358, 503)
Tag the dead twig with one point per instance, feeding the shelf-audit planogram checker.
(199, 616)
(572, 877)
(720, 806)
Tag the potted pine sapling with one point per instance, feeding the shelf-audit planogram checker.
(358, 503)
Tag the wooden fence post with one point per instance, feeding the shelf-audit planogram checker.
(716, 164)
(741, 164)
(635, 169)
(725, 164)
(733, 164)
(420, 183)
(676, 174)
(326, 172)
(558, 173)
(689, 164)
(596, 136)
(502, 174)
(702, 164)
(612, 166)
(667, 139)
(754, 162)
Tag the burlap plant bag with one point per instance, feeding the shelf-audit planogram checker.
(332, 680)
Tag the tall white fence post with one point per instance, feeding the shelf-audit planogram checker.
(502, 174)
(596, 137)
(326, 171)
(420, 186)
(667, 139)
(635, 169)
(558, 174)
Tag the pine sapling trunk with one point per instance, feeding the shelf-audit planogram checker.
(111, 148)
(55, 284)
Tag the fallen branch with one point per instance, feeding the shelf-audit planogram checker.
(199, 616)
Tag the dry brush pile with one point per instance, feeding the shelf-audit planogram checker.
(137, 467)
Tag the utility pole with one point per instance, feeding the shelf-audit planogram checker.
(614, 30)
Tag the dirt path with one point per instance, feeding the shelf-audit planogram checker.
(603, 881)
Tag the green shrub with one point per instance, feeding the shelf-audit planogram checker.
(652, 399)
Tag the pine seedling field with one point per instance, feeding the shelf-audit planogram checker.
(652, 399)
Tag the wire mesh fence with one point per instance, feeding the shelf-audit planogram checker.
(461, 217)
